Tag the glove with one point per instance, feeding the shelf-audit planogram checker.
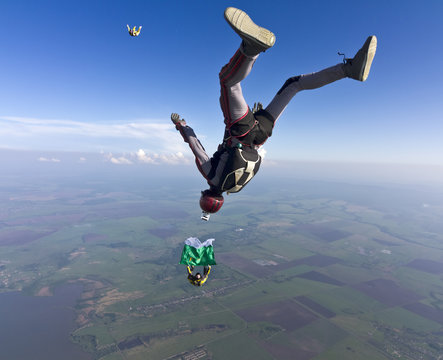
(257, 106)
(175, 118)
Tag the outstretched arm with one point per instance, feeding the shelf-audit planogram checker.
(206, 271)
(201, 157)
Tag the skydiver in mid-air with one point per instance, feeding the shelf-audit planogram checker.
(134, 31)
(198, 279)
(236, 160)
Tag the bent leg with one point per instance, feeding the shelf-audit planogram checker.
(303, 82)
(232, 102)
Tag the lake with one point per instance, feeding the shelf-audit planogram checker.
(38, 328)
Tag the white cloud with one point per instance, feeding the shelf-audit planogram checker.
(67, 135)
(174, 159)
(139, 129)
(43, 159)
(141, 156)
(120, 161)
(144, 158)
(262, 152)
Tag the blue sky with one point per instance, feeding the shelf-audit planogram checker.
(72, 79)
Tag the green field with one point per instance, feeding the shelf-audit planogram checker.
(312, 253)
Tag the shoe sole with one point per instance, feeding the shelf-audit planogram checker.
(371, 44)
(242, 24)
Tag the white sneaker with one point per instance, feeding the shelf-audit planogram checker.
(255, 38)
(358, 67)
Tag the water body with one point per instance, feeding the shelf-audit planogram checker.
(38, 328)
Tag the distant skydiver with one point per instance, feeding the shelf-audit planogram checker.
(236, 160)
(198, 279)
(196, 253)
(133, 31)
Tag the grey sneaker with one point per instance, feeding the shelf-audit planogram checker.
(358, 67)
(255, 38)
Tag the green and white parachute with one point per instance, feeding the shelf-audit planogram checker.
(196, 253)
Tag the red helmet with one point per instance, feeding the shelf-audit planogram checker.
(211, 202)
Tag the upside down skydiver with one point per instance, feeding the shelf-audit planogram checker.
(236, 160)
